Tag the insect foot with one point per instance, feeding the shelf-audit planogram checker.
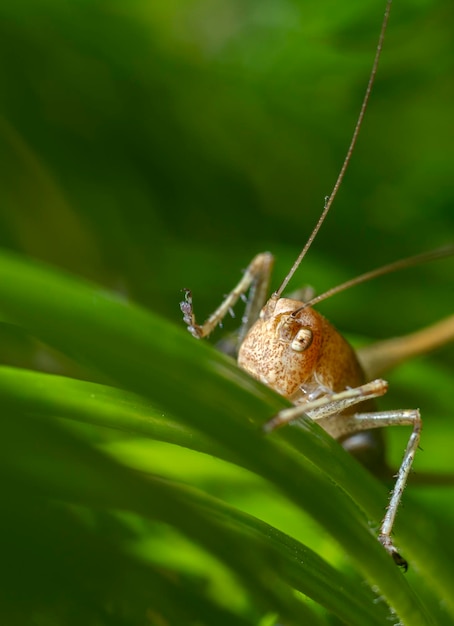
(390, 549)
(188, 315)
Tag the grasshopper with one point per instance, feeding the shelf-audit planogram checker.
(286, 344)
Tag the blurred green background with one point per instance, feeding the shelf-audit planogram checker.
(151, 146)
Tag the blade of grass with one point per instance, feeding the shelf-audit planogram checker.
(54, 395)
(48, 396)
(157, 360)
(55, 464)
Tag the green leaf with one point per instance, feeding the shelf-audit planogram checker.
(205, 392)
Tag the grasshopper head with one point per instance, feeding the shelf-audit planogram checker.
(282, 348)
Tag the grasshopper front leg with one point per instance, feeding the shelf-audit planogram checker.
(327, 411)
(256, 278)
(405, 417)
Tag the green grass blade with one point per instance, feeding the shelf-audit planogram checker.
(47, 395)
(208, 393)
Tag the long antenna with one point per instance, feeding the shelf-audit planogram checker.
(330, 199)
(385, 269)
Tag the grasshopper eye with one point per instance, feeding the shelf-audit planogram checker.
(302, 340)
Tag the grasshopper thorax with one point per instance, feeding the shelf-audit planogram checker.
(296, 351)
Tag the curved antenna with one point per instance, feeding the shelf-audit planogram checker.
(433, 255)
(330, 199)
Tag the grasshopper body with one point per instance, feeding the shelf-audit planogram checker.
(286, 344)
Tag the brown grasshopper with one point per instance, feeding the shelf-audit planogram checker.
(290, 347)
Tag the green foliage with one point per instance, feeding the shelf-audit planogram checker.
(146, 147)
